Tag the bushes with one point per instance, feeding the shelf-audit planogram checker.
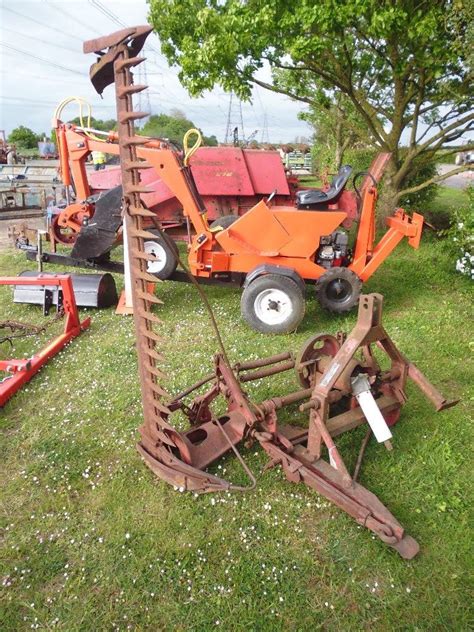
(461, 236)
(360, 159)
(420, 173)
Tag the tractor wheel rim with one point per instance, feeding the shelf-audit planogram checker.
(339, 290)
(156, 249)
(273, 307)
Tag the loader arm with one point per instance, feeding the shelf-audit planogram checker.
(369, 257)
(75, 146)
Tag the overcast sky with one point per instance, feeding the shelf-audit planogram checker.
(41, 63)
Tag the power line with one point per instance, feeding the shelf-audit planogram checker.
(45, 61)
(88, 27)
(31, 100)
(38, 39)
(27, 17)
(107, 12)
(23, 102)
(54, 78)
(112, 16)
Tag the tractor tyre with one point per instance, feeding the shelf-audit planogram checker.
(224, 222)
(273, 304)
(338, 290)
(165, 251)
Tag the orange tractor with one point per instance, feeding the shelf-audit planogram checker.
(271, 251)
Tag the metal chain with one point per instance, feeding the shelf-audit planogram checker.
(26, 329)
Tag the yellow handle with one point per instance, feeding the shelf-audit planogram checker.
(81, 103)
(188, 152)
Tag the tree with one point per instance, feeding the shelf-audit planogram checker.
(99, 124)
(337, 127)
(403, 65)
(172, 127)
(23, 137)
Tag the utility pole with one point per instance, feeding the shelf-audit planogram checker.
(264, 138)
(143, 98)
(235, 121)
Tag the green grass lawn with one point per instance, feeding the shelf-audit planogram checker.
(91, 540)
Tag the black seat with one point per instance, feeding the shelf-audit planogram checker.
(318, 200)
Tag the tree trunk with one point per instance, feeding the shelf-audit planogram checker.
(388, 194)
(338, 139)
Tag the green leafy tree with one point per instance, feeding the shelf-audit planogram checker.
(23, 137)
(337, 127)
(404, 65)
(99, 124)
(173, 127)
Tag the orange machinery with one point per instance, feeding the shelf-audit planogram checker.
(271, 251)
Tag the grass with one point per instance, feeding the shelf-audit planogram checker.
(448, 199)
(93, 541)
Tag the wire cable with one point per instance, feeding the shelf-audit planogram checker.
(44, 61)
(38, 39)
(48, 26)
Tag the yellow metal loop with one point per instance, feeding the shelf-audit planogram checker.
(188, 152)
(81, 103)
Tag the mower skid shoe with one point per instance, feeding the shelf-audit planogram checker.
(353, 498)
(407, 547)
(184, 477)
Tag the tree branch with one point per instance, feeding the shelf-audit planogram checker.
(434, 180)
(269, 86)
(416, 113)
(443, 133)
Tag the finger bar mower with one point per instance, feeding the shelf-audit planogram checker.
(341, 387)
(21, 371)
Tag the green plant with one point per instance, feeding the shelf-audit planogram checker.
(24, 137)
(461, 235)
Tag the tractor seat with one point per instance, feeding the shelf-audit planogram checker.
(319, 200)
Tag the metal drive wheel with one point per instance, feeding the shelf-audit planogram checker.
(338, 290)
(62, 234)
(164, 250)
(273, 303)
(313, 349)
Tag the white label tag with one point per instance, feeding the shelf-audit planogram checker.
(374, 416)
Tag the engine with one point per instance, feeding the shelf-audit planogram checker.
(333, 249)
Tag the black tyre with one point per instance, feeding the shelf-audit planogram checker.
(338, 290)
(224, 222)
(165, 251)
(273, 304)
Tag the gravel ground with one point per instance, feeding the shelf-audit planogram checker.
(32, 222)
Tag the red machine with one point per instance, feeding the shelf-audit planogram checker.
(342, 385)
(272, 250)
(229, 180)
(21, 371)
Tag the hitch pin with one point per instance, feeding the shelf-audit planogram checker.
(361, 389)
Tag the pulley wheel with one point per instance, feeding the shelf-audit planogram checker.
(314, 349)
(63, 234)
